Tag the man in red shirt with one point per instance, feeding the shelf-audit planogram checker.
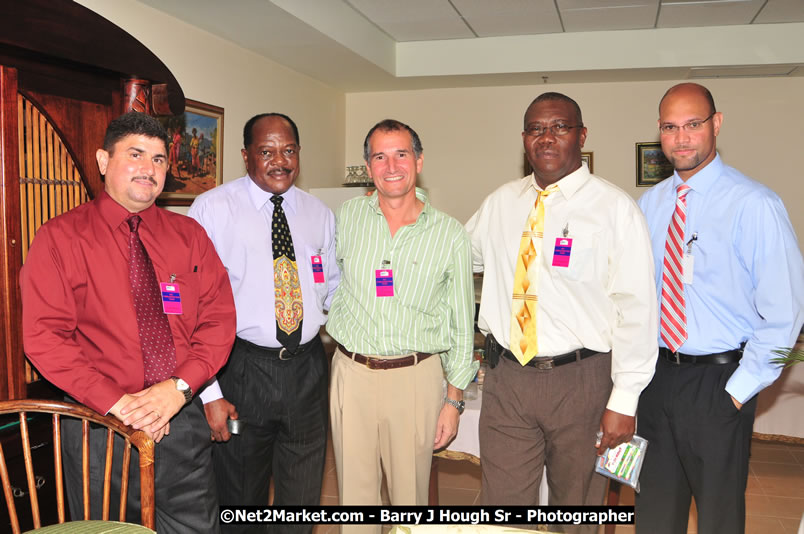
(97, 323)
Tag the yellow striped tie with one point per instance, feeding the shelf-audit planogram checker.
(524, 343)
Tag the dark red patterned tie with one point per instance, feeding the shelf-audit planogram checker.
(156, 340)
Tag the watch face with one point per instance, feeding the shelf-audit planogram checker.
(181, 385)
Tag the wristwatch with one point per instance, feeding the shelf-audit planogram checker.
(184, 388)
(458, 405)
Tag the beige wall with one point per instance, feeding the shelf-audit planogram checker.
(472, 139)
(218, 72)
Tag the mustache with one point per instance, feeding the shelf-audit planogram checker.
(282, 169)
(149, 178)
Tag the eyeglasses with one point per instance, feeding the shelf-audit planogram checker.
(557, 129)
(691, 126)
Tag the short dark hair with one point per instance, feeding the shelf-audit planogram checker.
(556, 96)
(391, 125)
(248, 129)
(701, 88)
(133, 123)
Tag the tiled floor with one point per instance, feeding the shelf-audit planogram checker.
(774, 498)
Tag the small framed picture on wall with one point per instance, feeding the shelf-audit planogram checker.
(652, 167)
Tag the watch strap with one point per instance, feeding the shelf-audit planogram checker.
(458, 405)
(187, 391)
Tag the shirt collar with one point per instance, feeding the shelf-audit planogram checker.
(702, 181)
(568, 185)
(421, 194)
(115, 214)
(259, 197)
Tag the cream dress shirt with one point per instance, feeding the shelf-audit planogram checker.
(605, 300)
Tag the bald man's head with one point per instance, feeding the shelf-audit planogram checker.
(689, 126)
(691, 90)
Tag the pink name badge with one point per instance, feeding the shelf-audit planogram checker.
(385, 282)
(318, 269)
(561, 254)
(171, 298)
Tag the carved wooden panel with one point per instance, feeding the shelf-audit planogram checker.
(50, 182)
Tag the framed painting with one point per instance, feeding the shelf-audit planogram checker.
(588, 157)
(652, 167)
(195, 153)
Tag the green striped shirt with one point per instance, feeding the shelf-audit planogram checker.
(432, 309)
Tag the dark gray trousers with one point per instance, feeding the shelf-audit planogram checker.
(185, 493)
(284, 406)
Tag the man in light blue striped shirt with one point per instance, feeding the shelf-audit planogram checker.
(405, 295)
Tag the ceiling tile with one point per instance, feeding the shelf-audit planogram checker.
(602, 15)
(686, 13)
(509, 17)
(781, 11)
(414, 20)
(601, 4)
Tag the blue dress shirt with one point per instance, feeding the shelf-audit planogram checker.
(748, 280)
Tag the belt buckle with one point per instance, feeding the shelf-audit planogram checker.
(282, 351)
(370, 363)
(545, 365)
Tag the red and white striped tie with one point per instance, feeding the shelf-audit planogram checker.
(674, 317)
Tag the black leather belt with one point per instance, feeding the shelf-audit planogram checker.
(554, 361)
(494, 350)
(721, 358)
(281, 353)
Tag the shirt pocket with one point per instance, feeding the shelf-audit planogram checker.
(189, 285)
(420, 286)
(582, 261)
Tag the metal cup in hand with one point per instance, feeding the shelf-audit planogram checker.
(235, 426)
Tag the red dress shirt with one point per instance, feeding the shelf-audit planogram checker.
(79, 323)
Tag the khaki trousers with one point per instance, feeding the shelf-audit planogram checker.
(383, 420)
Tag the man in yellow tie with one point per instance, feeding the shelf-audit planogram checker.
(570, 313)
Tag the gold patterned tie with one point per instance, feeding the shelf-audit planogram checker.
(287, 289)
(525, 302)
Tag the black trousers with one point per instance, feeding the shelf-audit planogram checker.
(284, 407)
(185, 494)
(699, 445)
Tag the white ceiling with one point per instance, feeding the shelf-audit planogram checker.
(365, 45)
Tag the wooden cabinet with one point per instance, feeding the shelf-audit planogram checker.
(65, 72)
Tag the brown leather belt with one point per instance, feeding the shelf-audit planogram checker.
(381, 363)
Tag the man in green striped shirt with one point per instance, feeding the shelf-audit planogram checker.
(406, 294)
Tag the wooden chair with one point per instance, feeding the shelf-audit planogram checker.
(141, 442)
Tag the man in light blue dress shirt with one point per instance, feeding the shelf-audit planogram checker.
(743, 294)
(279, 394)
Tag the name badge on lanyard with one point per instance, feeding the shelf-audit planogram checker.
(562, 251)
(384, 279)
(318, 269)
(171, 298)
(688, 268)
